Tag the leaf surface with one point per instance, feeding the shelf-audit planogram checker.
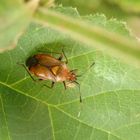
(14, 17)
(129, 5)
(110, 90)
(101, 37)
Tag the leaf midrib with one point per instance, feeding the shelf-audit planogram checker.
(66, 103)
(59, 109)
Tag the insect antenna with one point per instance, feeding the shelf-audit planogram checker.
(87, 69)
(80, 96)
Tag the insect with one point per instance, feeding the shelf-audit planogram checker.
(46, 67)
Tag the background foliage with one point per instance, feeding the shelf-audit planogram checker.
(110, 90)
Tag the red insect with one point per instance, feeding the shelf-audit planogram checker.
(47, 67)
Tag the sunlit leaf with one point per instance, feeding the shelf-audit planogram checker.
(110, 91)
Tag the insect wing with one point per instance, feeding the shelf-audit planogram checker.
(48, 60)
(42, 72)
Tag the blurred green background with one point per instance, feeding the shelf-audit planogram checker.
(125, 10)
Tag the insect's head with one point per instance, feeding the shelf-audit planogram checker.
(73, 81)
(31, 61)
(72, 76)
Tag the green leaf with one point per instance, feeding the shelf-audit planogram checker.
(14, 17)
(100, 37)
(129, 5)
(110, 92)
(102, 5)
(84, 8)
(109, 8)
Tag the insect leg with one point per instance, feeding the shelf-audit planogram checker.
(26, 70)
(64, 83)
(65, 56)
(61, 55)
(86, 70)
(52, 85)
(74, 70)
(79, 91)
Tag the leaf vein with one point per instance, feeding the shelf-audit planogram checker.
(5, 118)
(50, 115)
